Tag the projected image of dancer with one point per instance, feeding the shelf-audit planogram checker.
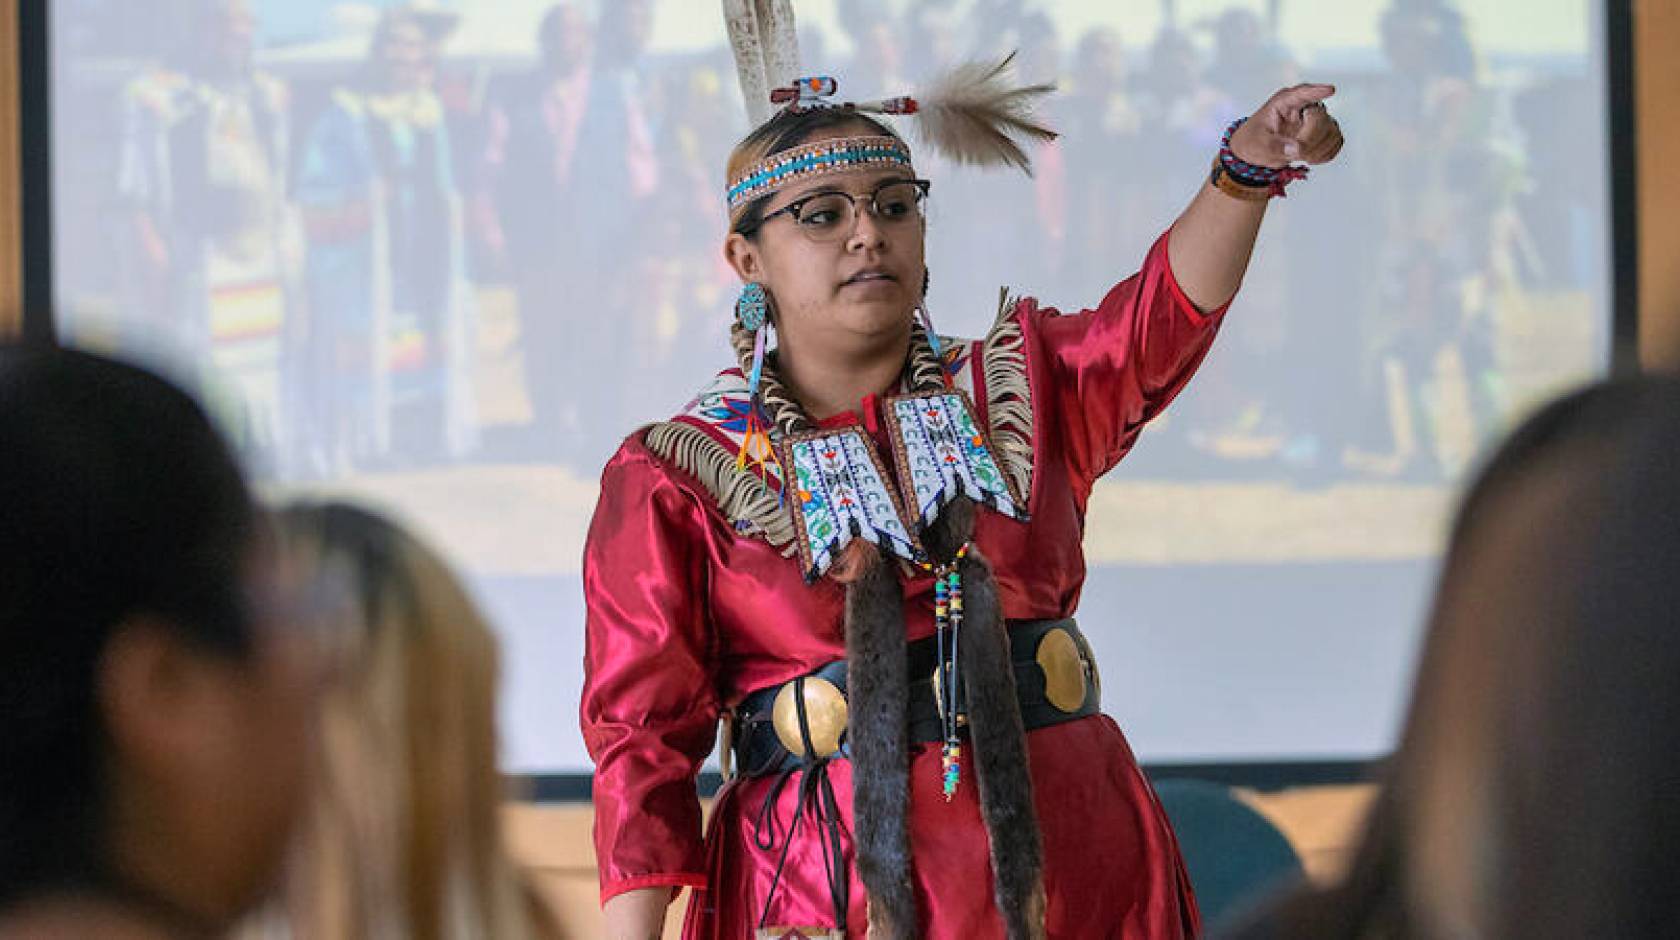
(213, 250)
(393, 338)
(861, 548)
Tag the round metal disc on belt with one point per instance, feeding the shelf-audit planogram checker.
(1060, 658)
(825, 716)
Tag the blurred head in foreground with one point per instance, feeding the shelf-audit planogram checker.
(154, 694)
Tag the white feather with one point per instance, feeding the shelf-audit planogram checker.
(766, 45)
(781, 49)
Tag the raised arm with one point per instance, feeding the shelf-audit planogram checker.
(1214, 237)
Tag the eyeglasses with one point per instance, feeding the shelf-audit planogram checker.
(829, 215)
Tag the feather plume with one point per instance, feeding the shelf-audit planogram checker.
(763, 37)
(975, 115)
(781, 51)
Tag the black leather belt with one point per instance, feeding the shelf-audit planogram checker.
(1055, 681)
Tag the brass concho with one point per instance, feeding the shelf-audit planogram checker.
(825, 715)
(1064, 666)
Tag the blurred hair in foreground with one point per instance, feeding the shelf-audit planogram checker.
(1534, 791)
(403, 837)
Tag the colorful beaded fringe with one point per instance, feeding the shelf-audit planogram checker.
(947, 623)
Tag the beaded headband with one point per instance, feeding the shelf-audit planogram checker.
(815, 159)
(973, 115)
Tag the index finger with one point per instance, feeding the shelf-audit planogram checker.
(1301, 96)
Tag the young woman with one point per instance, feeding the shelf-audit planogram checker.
(862, 550)
(402, 837)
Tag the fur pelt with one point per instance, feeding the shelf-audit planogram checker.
(998, 740)
(879, 695)
(877, 676)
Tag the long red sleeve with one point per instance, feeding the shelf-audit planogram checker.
(649, 710)
(1103, 373)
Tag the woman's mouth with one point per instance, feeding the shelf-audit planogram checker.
(870, 276)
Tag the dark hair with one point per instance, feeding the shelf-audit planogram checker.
(117, 498)
(1605, 805)
(785, 131)
(1581, 806)
(1595, 415)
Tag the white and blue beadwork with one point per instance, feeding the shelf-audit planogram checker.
(942, 454)
(816, 159)
(840, 493)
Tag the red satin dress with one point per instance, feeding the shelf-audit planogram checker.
(687, 614)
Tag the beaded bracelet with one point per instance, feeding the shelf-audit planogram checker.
(1223, 181)
(1236, 177)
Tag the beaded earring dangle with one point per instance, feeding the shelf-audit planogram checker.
(752, 309)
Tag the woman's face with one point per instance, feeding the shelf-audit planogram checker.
(849, 293)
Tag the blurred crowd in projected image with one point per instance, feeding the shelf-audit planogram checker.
(419, 236)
